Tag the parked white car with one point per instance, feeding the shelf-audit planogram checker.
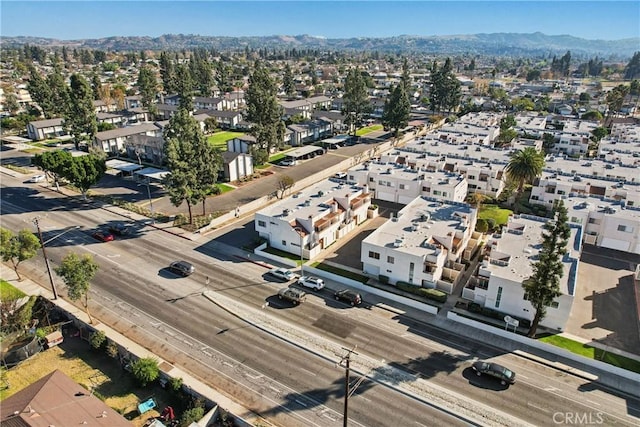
(37, 178)
(282, 274)
(311, 282)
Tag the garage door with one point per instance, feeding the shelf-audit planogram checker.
(610, 243)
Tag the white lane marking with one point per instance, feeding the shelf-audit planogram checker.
(592, 402)
(537, 407)
(309, 372)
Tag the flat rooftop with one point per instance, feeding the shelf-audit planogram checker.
(517, 248)
(422, 225)
(313, 200)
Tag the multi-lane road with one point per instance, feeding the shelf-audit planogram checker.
(244, 344)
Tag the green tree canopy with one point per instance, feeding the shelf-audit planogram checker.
(18, 247)
(85, 171)
(525, 165)
(355, 101)
(145, 370)
(80, 118)
(264, 111)
(543, 286)
(396, 110)
(76, 272)
(287, 81)
(54, 163)
(147, 85)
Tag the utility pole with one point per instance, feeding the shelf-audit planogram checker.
(46, 260)
(347, 389)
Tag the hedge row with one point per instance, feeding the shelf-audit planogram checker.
(432, 294)
(474, 307)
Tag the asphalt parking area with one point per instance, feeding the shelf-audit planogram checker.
(605, 308)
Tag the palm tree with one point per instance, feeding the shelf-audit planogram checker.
(524, 166)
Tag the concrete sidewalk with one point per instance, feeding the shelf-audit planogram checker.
(30, 287)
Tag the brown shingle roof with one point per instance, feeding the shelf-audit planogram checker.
(57, 400)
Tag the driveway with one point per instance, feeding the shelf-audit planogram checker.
(604, 308)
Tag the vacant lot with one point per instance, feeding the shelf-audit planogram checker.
(95, 371)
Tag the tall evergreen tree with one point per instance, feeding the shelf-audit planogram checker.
(40, 92)
(59, 92)
(80, 119)
(184, 87)
(148, 86)
(406, 77)
(396, 110)
(287, 81)
(544, 284)
(355, 101)
(96, 85)
(167, 73)
(632, 70)
(445, 88)
(264, 112)
(194, 164)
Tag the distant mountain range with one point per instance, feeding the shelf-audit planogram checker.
(496, 44)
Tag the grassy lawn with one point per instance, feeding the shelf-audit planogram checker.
(344, 273)
(592, 352)
(8, 292)
(224, 188)
(293, 257)
(499, 215)
(113, 385)
(368, 129)
(219, 139)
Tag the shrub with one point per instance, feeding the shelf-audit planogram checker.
(491, 224)
(191, 416)
(97, 339)
(145, 370)
(474, 307)
(175, 384)
(383, 279)
(432, 294)
(482, 225)
(112, 349)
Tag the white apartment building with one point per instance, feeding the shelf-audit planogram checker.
(314, 218)
(530, 124)
(508, 262)
(114, 141)
(400, 183)
(423, 244)
(574, 137)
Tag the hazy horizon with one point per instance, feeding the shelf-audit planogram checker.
(592, 20)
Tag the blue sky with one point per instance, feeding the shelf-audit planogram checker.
(607, 20)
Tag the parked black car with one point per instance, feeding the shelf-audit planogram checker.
(350, 297)
(120, 228)
(183, 268)
(505, 375)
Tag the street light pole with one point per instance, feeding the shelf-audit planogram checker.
(46, 260)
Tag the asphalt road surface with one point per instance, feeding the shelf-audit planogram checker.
(288, 382)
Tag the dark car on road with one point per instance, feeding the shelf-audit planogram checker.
(120, 229)
(293, 295)
(183, 268)
(505, 375)
(350, 297)
(103, 236)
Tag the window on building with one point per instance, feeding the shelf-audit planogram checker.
(284, 243)
(437, 193)
(401, 186)
(592, 221)
(499, 296)
(554, 304)
(391, 260)
(372, 179)
(561, 192)
(374, 255)
(622, 227)
(426, 189)
(471, 177)
(262, 223)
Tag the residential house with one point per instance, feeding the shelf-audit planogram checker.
(145, 148)
(241, 144)
(508, 262)
(236, 165)
(226, 119)
(209, 103)
(133, 101)
(311, 220)
(114, 141)
(116, 119)
(102, 107)
(422, 244)
(307, 132)
(166, 111)
(57, 400)
(43, 129)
